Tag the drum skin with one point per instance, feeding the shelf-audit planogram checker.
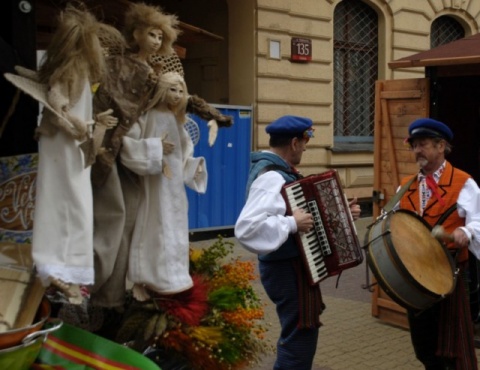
(410, 265)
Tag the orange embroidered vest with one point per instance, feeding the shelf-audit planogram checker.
(449, 186)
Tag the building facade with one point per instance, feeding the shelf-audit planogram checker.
(352, 42)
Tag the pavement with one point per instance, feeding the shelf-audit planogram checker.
(350, 338)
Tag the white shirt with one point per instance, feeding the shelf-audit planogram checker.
(468, 206)
(262, 226)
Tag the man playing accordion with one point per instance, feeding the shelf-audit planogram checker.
(265, 228)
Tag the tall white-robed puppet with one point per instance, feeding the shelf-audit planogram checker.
(62, 245)
(159, 149)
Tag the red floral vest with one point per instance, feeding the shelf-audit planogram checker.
(449, 186)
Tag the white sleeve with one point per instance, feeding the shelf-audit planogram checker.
(468, 205)
(195, 174)
(142, 156)
(262, 226)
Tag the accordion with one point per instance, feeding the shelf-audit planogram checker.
(332, 245)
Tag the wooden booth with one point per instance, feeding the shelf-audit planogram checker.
(449, 92)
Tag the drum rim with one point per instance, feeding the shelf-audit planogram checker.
(395, 259)
(391, 291)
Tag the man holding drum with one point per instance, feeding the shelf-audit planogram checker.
(442, 335)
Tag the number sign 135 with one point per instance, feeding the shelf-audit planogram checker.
(301, 50)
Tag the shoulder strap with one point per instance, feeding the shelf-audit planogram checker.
(396, 198)
(447, 213)
(277, 167)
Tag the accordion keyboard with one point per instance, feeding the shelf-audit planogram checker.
(315, 243)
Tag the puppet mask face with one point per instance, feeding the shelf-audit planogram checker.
(149, 40)
(174, 95)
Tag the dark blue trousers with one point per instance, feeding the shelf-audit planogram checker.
(295, 347)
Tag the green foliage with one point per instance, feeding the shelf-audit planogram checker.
(209, 261)
(227, 298)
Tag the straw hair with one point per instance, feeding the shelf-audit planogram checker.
(74, 53)
(142, 17)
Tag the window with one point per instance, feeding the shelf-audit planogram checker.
(355, 70)
(445, 29)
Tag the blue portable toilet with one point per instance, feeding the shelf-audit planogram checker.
(228, 163)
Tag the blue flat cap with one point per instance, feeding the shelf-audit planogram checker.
(428, 127)
(289, 126)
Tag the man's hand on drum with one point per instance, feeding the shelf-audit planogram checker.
(303, 219)
(460, 238)
(354, 208)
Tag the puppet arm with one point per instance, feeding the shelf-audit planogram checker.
(209, 113)
(58, 99)
(103, 121)
(204, 110)
(106, 119)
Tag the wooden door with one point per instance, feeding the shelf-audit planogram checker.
(397, 104)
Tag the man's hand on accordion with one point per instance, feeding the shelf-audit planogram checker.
(303, 219)
(354, 208)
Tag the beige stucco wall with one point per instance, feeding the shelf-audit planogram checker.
(281, 87)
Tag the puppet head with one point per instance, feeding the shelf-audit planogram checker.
(165, 83)
(141, 17)
(74, 48)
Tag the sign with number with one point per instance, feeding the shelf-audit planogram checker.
(301, 50)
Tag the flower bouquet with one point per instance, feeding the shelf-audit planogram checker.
(217, 324)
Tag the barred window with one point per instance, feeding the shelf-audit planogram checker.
(355, 52)
(445, 29)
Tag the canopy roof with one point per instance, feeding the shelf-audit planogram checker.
(112, 12)
(463, 51)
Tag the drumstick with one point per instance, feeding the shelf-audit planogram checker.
(439, 233)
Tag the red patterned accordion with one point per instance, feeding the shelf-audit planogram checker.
(332, 245)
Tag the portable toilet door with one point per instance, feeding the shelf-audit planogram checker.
(227, 163)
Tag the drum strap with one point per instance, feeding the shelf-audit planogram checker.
(447, 213)
(398, 195)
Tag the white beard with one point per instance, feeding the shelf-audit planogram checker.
(422, 162)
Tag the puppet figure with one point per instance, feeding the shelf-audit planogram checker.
(128, 90)
(62, 244)
(160, 151)
(130, 80)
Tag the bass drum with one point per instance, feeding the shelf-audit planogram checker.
(411, 266)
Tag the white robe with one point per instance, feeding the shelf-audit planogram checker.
(62, 242)
(159, 251)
